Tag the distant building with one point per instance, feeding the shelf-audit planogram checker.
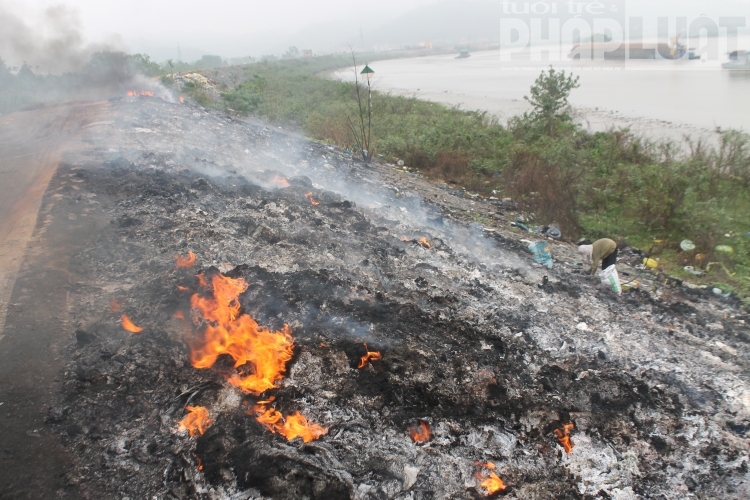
(307, 53)
(426, 45)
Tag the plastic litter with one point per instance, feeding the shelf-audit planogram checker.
(553, 233)
(687, 246)
(400, 163)
(717, 291)
(610, 277)
(519, 225)
(650, 263)
(541, 252)
(724, 249)
(692, 270)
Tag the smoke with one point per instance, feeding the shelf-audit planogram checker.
(52, 43)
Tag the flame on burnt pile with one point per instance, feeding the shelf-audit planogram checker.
(238, 335)
(196, 421)
(188, 261)
(136, 93)
(421, 432)
(292, 426)
(492, 483)
(309, 197)
(280, 180)
(129, 326)
(423, 242)
(369, 356)
(563, 437)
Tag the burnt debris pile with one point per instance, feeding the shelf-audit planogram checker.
(312, 343)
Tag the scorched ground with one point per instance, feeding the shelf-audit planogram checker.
(255, 316)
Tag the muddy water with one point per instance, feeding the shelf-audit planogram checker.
(688, 96)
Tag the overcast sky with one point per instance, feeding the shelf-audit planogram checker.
(229, 27)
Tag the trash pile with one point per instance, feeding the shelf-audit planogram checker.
(413, 356)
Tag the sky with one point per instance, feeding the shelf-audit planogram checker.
(234, 28)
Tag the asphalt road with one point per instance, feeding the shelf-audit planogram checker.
(32, 292)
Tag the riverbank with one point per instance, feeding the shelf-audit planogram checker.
(614, 184)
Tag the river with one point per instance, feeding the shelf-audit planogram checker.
(655, 98)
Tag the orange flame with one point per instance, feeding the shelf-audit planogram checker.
(188, 261)
(404, 238)
(309, 197)
(488, 465)
(129, 326)
(196, 421)
(370, 356)
(135, 93)
(492, 484)
(563, 437)
(182, 288)
(293, 426)
(114, 306)
(420, 432)
(182, 99)
(179, 315)
(228, 332)
(280, 180)
(423, 241)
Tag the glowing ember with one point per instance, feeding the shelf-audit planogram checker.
(179, 315)
(135, 93)
(129, 326)
(404, 238)
(370, 356)
(228, 332)
(280, 180)
(423, 241)
(182, 288)
(188, 261)
(563, 437)
(309, 197)
(421, 432)
(182, 99)
(196, 421)
(293, 426)
(114, 306)
(488, 465)
(492, 484)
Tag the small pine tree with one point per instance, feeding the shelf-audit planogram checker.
(549, 97)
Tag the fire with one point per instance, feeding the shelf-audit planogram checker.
(182, 99)
(114, 306)
(196, 421)
(423, 241)
(421, 432)
(280, 180)
(182, 288)
(492, 484)
(188, 261)
(228, 332)
(370, 356)
(404, 238)
(129, 325)
(293, 426)
(179, 315)
(135, 93)
(309, 197)
(563, 437)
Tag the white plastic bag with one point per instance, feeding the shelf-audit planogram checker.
(610, 277)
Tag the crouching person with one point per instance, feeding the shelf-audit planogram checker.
(604, 250)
